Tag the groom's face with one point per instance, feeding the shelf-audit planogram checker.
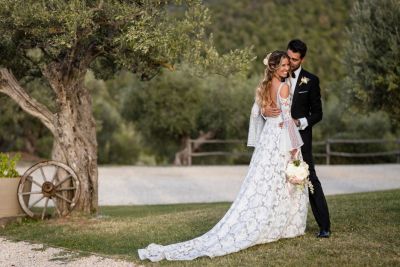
(295, 60)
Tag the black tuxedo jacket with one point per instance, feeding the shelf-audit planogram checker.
(307, 104)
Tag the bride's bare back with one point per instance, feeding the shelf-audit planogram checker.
(273, 91)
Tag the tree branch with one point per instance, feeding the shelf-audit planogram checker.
(10, 86)
(92, 52)
(52, 72)
(182, 157)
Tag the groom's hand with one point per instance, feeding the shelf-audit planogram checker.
(271, 112)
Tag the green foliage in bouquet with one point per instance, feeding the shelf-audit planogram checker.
(7, 165)
(296, 162)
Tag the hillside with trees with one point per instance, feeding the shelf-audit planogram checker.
(148, 122)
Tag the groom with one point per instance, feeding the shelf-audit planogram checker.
(306, 112)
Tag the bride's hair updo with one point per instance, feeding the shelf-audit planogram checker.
(272, 62)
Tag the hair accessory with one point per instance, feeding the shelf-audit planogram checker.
(266, 59)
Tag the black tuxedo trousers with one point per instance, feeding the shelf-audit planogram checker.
(318, 203)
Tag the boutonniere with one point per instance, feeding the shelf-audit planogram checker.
(304, 80)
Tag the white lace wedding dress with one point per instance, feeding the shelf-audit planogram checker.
(267, 207)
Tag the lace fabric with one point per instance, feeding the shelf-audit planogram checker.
(291, 138)
(266, 208)
(256, 124)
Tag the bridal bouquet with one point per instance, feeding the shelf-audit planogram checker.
(297, 173)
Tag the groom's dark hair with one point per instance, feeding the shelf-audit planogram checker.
(298, 46)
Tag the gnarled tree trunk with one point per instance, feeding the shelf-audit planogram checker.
(75, 134)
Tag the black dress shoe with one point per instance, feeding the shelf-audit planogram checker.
(324, 234)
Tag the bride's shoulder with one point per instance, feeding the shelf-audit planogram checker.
(284, 91)
(285, 86)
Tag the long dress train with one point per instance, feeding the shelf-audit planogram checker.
(266, 208)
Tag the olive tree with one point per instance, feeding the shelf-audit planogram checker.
(373, 56)
(58, 41)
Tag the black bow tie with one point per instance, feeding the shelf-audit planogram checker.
(293, 75)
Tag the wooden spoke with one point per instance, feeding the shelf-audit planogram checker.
(37, 201)
(31, 193)
(33, 181)
(55, 175)
(45, 207)
(44, 176)
(56, 207)
(63, 180)
(62, 197)
(65, 189)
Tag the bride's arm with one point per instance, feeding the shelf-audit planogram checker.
(255, 125)
(292, 135)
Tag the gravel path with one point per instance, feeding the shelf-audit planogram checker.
(135, 185)
(24, 254)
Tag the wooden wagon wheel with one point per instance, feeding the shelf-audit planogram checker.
(45, 181)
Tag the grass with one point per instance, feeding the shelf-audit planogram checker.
(366, 232)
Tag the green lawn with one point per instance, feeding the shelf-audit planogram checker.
(366, 232)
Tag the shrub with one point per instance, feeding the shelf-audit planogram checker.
(7, 165)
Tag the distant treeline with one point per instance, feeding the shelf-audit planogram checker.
(149, 122)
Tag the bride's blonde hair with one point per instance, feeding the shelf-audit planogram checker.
(272, 62)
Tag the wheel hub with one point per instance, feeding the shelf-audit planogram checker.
(48, 189)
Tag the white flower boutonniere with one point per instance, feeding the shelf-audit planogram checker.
(304, 80)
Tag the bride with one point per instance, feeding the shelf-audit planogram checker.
(267, 207)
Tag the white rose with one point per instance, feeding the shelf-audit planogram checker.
(302, 173)
(291, 169)
(304, 165)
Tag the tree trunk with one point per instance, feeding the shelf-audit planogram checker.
(76, 143)
(182, 156)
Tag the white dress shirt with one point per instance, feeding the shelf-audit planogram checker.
(293, 82)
